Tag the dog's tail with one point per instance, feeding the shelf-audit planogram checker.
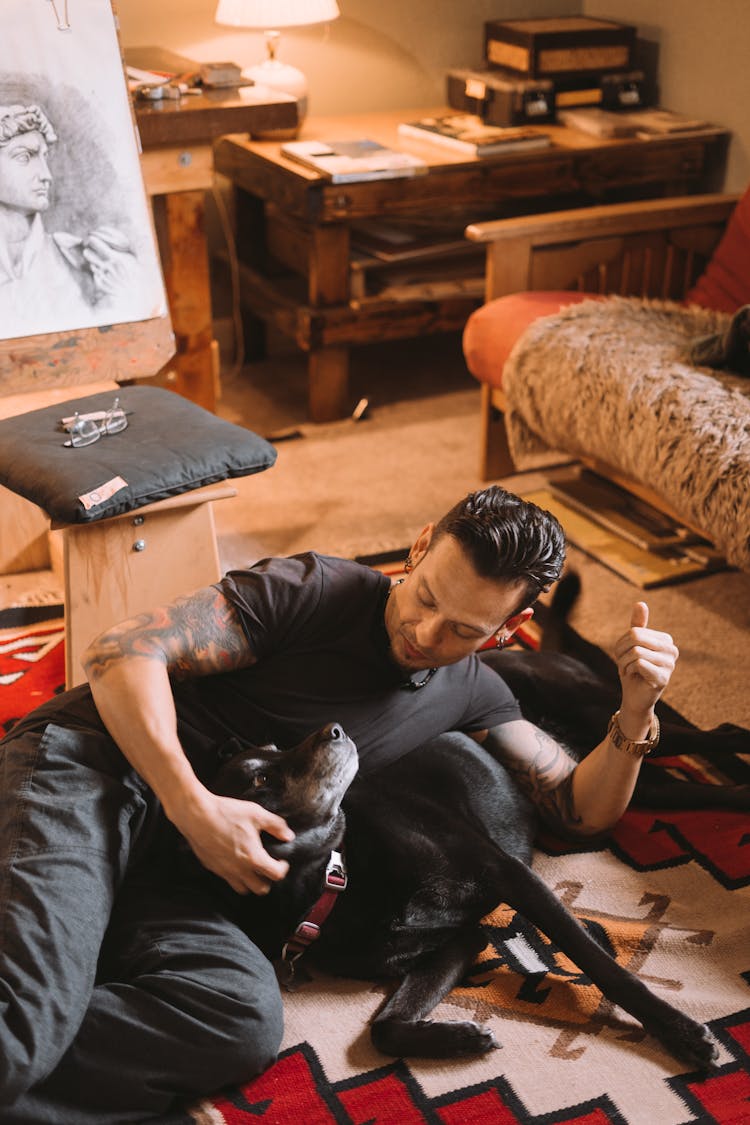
(555, 628)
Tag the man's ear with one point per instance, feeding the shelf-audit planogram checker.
(421, 543)
(513, 623)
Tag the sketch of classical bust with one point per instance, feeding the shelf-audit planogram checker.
(62, 278)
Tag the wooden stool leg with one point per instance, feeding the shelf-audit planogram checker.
(123, 566)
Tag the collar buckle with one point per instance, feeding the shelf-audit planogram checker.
(336, 878)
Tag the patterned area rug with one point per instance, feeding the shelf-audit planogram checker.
(669, 896)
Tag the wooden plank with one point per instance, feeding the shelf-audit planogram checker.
(508, 267)
(180, 228)
(88, 355)
(643, 568)
(607, 219)
(109, 576)
(328, 282)
(212, 113)
(328, 381)
(178, 168)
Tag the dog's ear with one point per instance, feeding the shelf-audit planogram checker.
(229, 749)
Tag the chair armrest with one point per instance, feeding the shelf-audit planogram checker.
(606, 220)
(580, 248)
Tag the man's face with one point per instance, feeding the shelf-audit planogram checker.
(24, 174)
(444, 610)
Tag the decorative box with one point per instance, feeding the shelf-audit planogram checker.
(615, 91)
(501, 97)
(565, 46)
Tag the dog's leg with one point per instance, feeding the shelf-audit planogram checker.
(674, 793)
(682, 1036)
(400, 1028)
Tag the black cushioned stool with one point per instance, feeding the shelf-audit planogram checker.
(134, 508)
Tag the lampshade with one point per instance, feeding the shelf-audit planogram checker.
(275, 13)
(271, 15)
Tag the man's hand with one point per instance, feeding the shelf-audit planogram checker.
(224, 834)
(646, 659)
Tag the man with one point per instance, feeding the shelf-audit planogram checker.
(183, 1002)
(49, 282)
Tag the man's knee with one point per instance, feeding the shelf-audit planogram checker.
(205, 977)
(247, 1022)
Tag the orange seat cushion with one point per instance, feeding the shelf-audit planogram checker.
(492, 330)
(724, 285)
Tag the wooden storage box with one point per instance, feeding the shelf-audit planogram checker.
(561, 47)
(500, 97)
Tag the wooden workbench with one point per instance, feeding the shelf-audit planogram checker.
(294, 226)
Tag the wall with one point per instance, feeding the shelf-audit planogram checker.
(394, 53)
(379, 54)
(703, 62)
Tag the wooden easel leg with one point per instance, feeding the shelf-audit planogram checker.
(180, 226)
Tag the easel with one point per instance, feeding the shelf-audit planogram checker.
(103, 580)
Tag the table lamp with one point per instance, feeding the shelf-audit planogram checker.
(270, 15)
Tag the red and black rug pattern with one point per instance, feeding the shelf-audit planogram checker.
(668, 895)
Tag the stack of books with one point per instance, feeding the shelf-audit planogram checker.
(468, 134)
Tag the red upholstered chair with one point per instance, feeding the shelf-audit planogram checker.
(694, 249)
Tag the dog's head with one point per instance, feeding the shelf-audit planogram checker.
(304, 785)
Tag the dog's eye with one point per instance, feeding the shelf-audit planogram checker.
(259, 780)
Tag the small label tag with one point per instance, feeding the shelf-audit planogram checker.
(102, 493)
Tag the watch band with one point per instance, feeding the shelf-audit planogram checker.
(638, 749)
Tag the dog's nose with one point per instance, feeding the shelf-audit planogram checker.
(334, 731)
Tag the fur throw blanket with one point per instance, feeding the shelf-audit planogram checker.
(613, 380)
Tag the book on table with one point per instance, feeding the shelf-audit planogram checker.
(466, 133)
(657, 122)
(347, 161)
(639, 122)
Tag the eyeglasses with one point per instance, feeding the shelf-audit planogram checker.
(85, 429)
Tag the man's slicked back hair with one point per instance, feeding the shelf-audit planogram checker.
(507, 538)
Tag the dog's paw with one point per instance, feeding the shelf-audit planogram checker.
(432, 1039)
(689, 1040)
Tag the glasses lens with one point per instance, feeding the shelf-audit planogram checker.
(115, 421)
(84, 433)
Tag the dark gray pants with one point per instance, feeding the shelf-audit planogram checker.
(180, 1004)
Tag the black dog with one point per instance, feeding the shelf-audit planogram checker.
(570, 689)
(433, 843)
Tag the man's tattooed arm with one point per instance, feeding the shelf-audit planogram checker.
(194, 636)
(542, 768)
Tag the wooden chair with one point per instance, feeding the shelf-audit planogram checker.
(536, 264)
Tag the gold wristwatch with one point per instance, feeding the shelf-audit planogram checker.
(630, 745)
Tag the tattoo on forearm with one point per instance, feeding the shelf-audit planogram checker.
(200, 634)
(548, 780)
